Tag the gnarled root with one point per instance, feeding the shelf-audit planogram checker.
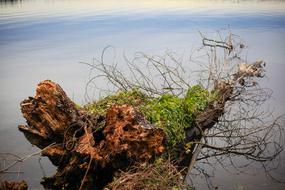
(87, 149)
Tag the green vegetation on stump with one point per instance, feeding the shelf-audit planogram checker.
(171, 113)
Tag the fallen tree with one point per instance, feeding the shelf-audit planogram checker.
(140, 124)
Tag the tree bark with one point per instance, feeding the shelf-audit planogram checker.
(13, 185)
(87, 149)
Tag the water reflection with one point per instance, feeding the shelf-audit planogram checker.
(46, 39)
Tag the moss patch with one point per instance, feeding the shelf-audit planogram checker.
(171, 113)
(132, 97)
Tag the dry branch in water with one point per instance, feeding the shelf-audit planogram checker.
(91, 149)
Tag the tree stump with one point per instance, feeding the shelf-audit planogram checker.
(87, 149)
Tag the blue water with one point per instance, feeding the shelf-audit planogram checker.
(47, 39)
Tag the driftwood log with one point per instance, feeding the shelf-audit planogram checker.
(87, 149)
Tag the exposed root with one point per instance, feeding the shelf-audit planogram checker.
(108, 144)
(13, 185)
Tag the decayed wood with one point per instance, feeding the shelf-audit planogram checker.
(48, 114)
(86, 148)
(13, 185)
(126, 132)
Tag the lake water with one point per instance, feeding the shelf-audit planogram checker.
(47, 39)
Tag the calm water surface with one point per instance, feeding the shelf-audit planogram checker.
(47, 40)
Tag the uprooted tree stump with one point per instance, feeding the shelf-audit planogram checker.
(87, 149)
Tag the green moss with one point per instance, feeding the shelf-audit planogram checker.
(174, 114)
(133, 97)
(167, 112)
(196, 100)
(171, 113)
